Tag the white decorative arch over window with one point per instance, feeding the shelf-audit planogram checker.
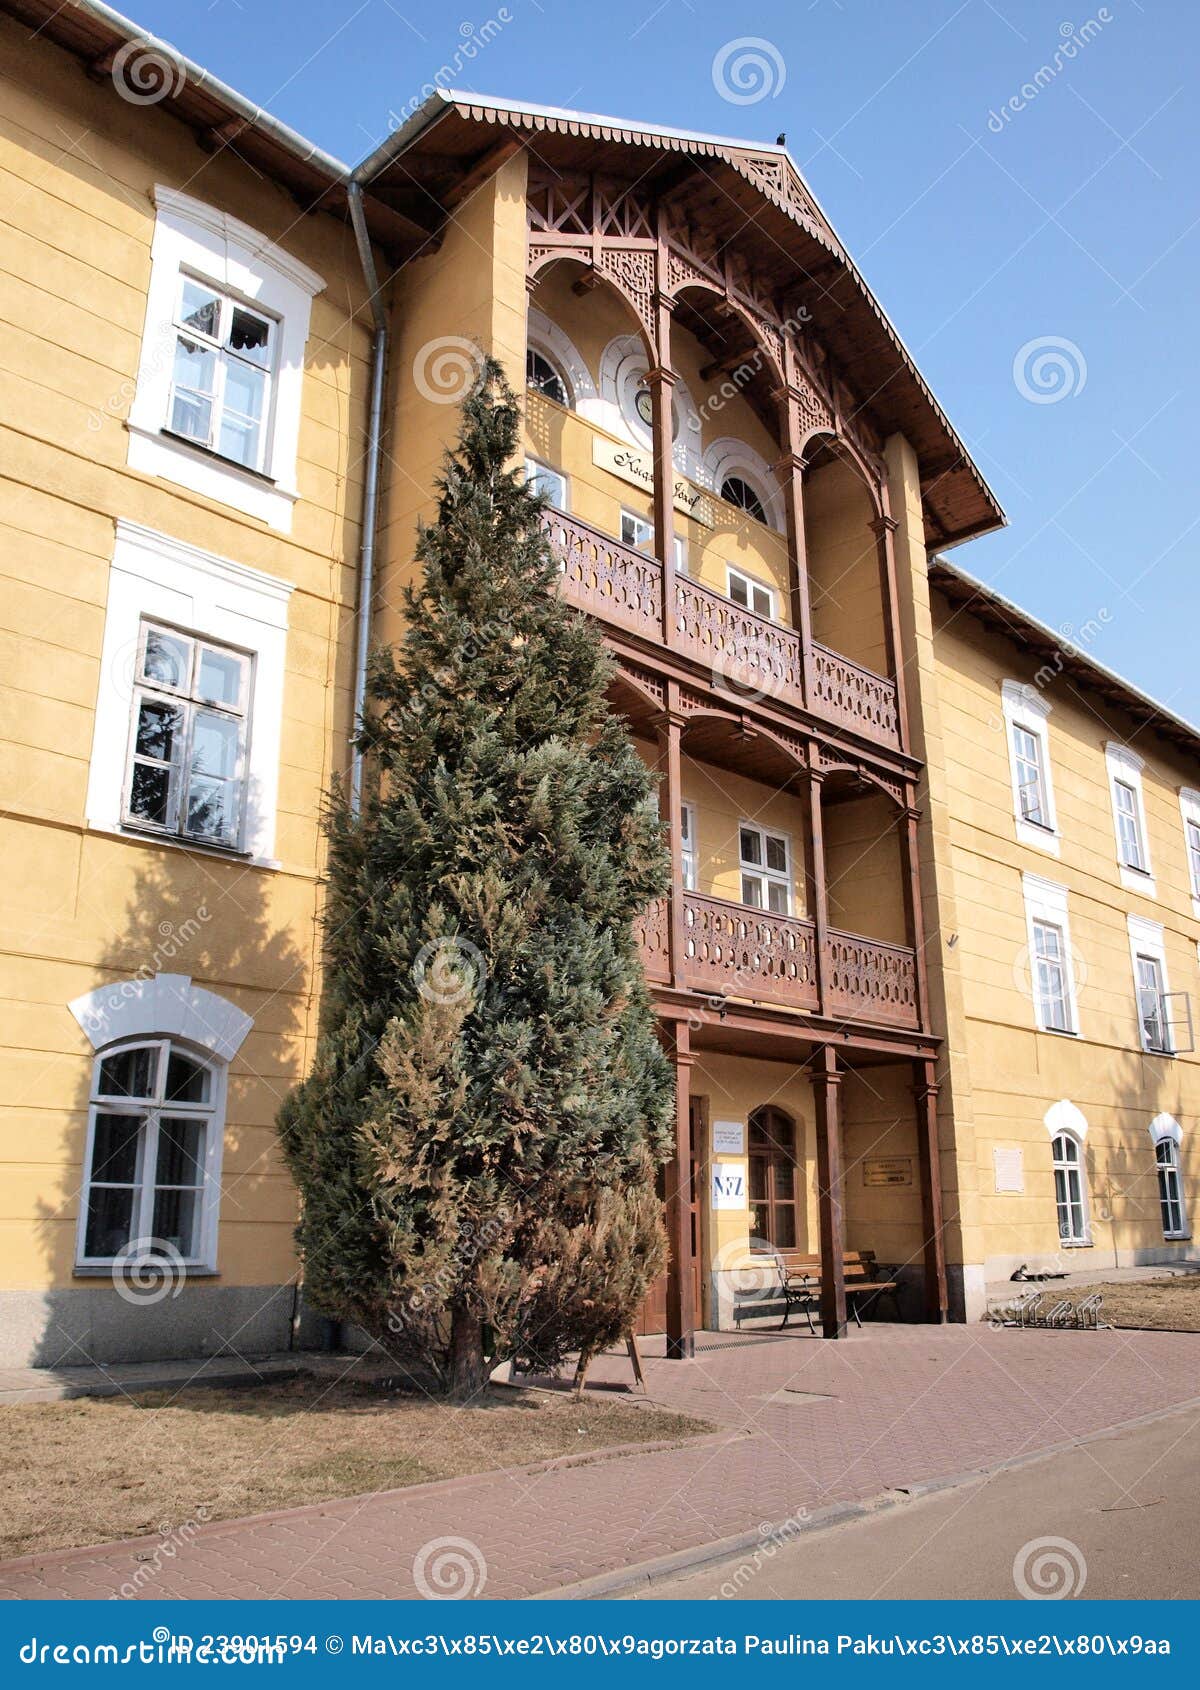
(1066, 1117)
(544, 336)
(162, 1006)
(623, 367)
(729, 457)
(1165, 1126)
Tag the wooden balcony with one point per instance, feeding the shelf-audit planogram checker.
(731, 950)
(746, 654)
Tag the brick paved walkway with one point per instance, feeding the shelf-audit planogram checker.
(806, 1423)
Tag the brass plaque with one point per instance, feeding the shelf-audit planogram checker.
(888, 1170)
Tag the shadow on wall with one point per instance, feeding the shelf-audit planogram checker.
(232, 930)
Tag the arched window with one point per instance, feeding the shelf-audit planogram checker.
(736, 490)
(772, 1148)
(542, 377)
(153, 1155)
(1069, 1194)
(1166, 1133)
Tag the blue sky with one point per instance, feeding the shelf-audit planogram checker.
(1040, 259)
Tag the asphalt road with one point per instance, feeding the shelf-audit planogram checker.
(1124, 1509)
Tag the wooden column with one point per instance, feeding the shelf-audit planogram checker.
(790, 470)
(681, 1316)
(820, 909)
(910, 874)
(661, 382)
(669, 732)
(929, 1156)
(884, 528)
(826, 1080)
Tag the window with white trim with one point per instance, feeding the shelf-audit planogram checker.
(543, 479)
(188, 740)
(1129, 818)
(153, 1156)
(1147, 946)
(1189, 810)
(637, 532)
(1170, 1189)
(750, 594)
(766, 865)
(220, 379)
(542, 377)
(737, 491)
(688, 845)
(1069, 1192)
(1051, 968)
(1025, 723)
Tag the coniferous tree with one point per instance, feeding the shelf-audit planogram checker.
(488, 1097)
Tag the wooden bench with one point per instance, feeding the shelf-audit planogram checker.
(800, 1282)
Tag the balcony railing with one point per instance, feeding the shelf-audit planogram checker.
(747, 654)
(731, 950)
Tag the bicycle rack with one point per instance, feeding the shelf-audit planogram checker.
(1032, 1312)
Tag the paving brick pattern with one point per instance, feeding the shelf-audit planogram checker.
(804, 1423)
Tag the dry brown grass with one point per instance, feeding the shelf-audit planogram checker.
(1154, 1304)
(95, 1469)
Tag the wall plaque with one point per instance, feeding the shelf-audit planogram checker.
(728, 1138)
(888, 1170)
(632, 464)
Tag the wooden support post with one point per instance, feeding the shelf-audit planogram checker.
(826, 1080)
(820, 909)
(929, 1157)
(790, 470)
(910, 874)
(669, 731)
(661, 381)
(681, 1316)
(884, 528)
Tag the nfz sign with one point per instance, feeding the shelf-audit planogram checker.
(729, 1185)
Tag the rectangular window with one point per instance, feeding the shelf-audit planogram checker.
(1152, 1006)
(221, 376)
(1192, 834)
(1170, 1192)
(749, 593)
(188, 742)
(638, 533)
(1031, 778)
(1129, 826)
(687, 839)
(545, 480)
(766, 869)
(1050, 967)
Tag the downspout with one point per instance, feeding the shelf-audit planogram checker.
(366, 559)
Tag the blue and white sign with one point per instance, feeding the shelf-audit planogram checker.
(729, 1185)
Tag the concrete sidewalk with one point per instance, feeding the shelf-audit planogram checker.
(806, 1423)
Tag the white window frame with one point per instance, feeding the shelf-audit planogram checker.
(154, 578)
(1026, 711)
(536, 472)
(689, 846)
(212, 1113)
(643, 538)
(759, 871)
(551, 364)
(1189, 811)
(1068, 1166)
(752, 585)
(1125, 769)
(1147, 940)
(1166, 1135)
(1046, 905)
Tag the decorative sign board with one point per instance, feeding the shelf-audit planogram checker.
(1009, 1163)
(729, 1185)
(637, 466)
(728, 1138)
(888, 1170)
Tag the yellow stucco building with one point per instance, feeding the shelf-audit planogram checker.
(926, 968)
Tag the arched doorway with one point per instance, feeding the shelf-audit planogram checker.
(775, 1187)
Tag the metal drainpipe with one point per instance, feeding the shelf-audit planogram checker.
(366, 561)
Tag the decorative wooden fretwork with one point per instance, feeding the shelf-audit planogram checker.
(622, 213)
(868, 981)
(749, 656)
(735, 951)
(605, 578)
(562, 204)
(776, 175)
(631, 271)
(644, 681)
(855, 697)
(652, 930)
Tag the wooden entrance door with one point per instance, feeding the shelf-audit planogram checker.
(652, 1316)
(774, 1187)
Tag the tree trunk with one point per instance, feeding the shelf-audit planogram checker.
(468, 1371)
